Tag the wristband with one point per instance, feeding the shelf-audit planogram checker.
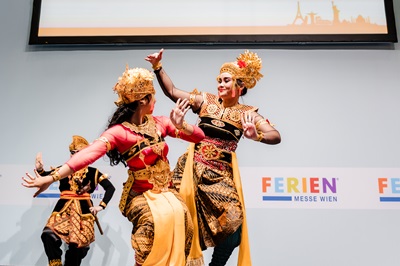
(103, 205)
(260, 137)
(55, 175)
(184, 126)
(40, 171)
(157, 67)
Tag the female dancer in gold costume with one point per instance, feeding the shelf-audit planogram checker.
(162, 227)
(207, 175)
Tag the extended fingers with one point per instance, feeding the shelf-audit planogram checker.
(27, 182)
(242, 118)
(183, 103)
(30, 177)
(160, 53)
(155, 56)
(185, 110)
(248, 118)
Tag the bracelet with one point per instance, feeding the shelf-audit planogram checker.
(260, 136)
(192, 96)
(103, 205)
(184, 126)
(40, 171)
(260, 122)
(55, 175)
(157, 67)
(177, 133)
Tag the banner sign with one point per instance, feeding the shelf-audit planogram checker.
(263, 187)
(326, 188)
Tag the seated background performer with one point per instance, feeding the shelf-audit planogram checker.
(72, 219)
(162, 228)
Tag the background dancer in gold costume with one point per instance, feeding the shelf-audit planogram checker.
(162, 226)
(209, 169)
(73, 217)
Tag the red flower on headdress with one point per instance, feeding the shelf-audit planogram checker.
(241, 63)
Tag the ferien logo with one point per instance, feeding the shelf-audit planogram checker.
(303, 189)
(389, 189)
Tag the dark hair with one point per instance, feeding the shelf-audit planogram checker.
(122, 114)
(240, 83)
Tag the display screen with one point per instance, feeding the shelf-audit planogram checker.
(211, 21)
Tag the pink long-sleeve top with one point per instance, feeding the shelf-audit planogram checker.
(123, 138)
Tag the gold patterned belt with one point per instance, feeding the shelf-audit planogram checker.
(159, 175)
(210, 152)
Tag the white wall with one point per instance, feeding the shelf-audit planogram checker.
(335, 106)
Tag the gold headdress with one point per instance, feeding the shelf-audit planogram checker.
(133, 85)
(78, 143)
(246, 68)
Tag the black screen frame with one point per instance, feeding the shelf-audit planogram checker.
(199, 40)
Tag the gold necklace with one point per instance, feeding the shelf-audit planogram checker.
(148, 127)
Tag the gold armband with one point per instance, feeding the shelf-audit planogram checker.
(158, 66)
(103, 205)
(260, 122)
(104, 176)
(260, 136)
(184, 126)
(105, 140)
(192, 96)
(55, 175)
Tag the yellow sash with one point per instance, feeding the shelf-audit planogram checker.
(244, 248)
(195, 257)
(169, 230)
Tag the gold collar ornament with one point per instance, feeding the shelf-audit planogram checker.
(149, 127)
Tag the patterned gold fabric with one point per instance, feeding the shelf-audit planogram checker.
(55, 263)
(221, 117)
(188, 190)
(159, 175)
(138, 212)
(71, 225)
(217, 201)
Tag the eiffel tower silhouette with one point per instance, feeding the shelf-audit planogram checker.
(298, 15)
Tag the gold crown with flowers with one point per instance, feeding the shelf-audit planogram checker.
(78, 143)
(246, 68)
(133, 85)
